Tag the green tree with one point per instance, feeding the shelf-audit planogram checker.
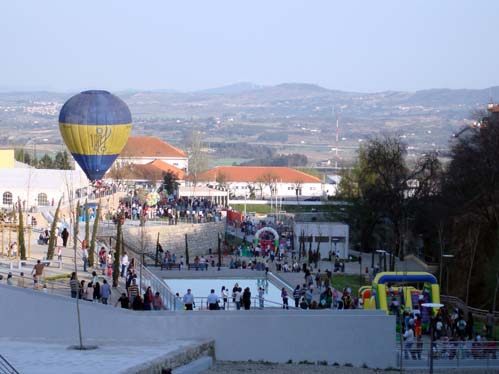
(94, 234)
(61, 161)
(385, 190)
(20, 234)
(53, 236)
(470, 190)
(170, 184)
(45, 162)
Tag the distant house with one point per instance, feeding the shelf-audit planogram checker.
(141, 150)
(150, 173)
(265, 181)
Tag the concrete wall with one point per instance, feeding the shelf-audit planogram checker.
(356, 337)
(331, 230)
(200, 237)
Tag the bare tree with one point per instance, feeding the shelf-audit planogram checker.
(198, 160)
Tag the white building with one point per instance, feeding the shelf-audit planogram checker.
(266, 181)
(147, 149)
(332, 236)
(38, 187)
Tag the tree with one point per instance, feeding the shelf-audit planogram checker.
(94, 234)
(45, 162)
(121, 171)
(20, 235)
(222, 181)
(61, 161)
(198, 160)
(170, 184)
(385, 190)
(269, 180)
(470, 191)
(53, 236)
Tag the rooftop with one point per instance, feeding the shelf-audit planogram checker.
(154, 170)
(258, 174)
(148, 146)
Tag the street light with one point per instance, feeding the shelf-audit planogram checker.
(434, 306)
(382, 254)
(450, 257)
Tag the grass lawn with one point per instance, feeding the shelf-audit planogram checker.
(341, 281)
(263, 209)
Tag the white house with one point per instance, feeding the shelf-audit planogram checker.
(37, 187)
(332, 236)
(147, 149)
(266, 181)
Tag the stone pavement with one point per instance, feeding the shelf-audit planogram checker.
(60, 286)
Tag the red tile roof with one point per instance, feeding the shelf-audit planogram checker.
(148, 146)
(258, 173)
(167, 167)
(153, 171)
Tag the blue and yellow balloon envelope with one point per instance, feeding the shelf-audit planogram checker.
(95, 126)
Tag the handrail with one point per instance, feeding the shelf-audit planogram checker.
(462, 305)
(6, 367)
(200, 303)
(450, 354)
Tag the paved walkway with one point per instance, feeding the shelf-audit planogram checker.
(60, 286)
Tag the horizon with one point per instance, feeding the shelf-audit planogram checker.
(207, 89)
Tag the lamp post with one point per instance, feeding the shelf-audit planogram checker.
(382, 254)
(335, 242)
(219, 251)
(433, 306)
(449, 257)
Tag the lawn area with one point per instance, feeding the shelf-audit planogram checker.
(265, 208)
(340, 281)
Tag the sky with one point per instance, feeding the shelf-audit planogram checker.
(186, 45)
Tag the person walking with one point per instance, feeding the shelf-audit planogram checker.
(65, 237)
(188, 300)
(74, 285)
(224, 296)
(296, 295)
(84, 256)
(148, 296)
(247, 298)
(133, 291)
(105, 292)
(236, 297)
(284, 296)
(37, 272)
(157, 302)
(89, 292)
(124, 264)
(212, 301)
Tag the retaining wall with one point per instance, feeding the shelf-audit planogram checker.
(356, 337)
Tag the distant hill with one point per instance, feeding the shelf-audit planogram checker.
(231, 89)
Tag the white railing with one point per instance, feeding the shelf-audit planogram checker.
(451, 354)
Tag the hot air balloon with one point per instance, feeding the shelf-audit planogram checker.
(95, 126)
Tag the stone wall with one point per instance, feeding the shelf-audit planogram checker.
(200, 237)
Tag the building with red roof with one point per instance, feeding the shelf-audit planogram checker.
(266, 181)
(141, 150)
